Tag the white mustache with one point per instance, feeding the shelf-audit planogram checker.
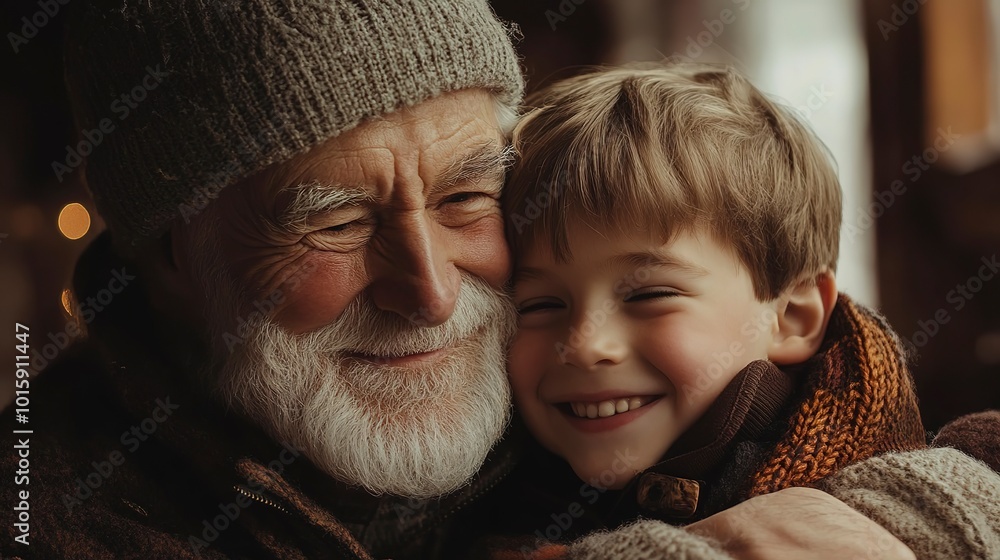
(365, 329)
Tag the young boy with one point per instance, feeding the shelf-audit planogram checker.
(682, 346)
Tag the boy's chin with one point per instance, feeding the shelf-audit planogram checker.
(609, 471)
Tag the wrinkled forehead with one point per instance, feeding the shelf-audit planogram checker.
(413, 147)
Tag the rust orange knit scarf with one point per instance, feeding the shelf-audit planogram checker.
(859, 401)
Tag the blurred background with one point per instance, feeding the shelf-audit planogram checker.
(905, 93)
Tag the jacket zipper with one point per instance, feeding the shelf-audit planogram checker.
(260, 499)
(493, 484)
(348, 553)
(440, 518)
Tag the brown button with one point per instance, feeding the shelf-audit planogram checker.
(665, 495)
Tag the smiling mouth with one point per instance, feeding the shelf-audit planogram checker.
(606, 408)
(402, 359)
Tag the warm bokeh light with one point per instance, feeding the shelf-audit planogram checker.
(67, 301)
(74, 221)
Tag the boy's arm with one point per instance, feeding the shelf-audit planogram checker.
(789, 524)
(647, 540)
(940, 502)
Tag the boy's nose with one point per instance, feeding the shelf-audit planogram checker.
(591, 344)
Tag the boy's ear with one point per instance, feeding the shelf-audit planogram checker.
(803, 313)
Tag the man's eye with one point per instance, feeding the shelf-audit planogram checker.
(341, 227)
(534, 307)
(359, 226)
(464, 208)
(650, 294)
(343, 237)
(465, 197)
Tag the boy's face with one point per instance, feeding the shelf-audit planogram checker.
(621, 349)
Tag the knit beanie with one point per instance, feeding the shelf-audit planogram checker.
(176, 99)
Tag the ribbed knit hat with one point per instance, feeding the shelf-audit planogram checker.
(176, 99)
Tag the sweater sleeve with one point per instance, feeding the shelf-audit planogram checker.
(939, 502)
(647, 540)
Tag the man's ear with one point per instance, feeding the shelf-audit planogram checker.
(179, 271)
(803, 314)
(171, 287)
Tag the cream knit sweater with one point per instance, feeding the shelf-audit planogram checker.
(940, 502)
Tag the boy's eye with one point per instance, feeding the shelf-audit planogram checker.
(534, 306)
(655, 293)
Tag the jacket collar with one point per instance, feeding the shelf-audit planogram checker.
(678, 486)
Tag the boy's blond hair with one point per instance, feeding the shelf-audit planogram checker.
(669, 148)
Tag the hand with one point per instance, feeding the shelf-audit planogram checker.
(799, 523)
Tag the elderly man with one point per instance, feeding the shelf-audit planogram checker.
(310, 345)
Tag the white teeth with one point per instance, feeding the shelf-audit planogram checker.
(604, 409)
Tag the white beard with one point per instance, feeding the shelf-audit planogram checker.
(419, 431)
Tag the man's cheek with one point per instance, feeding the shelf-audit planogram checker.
(312, 305)
(484, 251)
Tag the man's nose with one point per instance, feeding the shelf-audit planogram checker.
(415, 276)
(595, 340)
